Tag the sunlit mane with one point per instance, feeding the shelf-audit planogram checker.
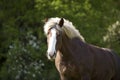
(68, 28)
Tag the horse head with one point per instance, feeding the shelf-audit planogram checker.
(54, 37)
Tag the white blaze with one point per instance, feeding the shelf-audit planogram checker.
(52, 43)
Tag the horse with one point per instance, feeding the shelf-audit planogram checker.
(75, 59)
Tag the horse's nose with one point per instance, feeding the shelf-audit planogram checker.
(50, 55)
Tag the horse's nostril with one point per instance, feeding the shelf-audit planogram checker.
(51, 55)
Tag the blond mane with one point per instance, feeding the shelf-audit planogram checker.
(68, 28)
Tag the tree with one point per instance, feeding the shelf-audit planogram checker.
(112, 37)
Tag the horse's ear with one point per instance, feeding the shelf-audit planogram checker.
(45, 20)
(61, 22)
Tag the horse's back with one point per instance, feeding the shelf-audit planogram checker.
(116, 63)
(117, 66)
(106, 64)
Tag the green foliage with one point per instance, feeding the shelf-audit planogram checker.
(112, 38)
(22, 64)
(22, 41)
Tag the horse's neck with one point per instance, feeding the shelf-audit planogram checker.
(69, 46)
(66, 56)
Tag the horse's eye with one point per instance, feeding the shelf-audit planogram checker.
(48, 32)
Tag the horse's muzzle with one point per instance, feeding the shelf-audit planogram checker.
(51, 56)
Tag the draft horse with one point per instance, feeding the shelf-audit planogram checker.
(74, 58)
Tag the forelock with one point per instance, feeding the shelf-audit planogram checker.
(50, 23)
